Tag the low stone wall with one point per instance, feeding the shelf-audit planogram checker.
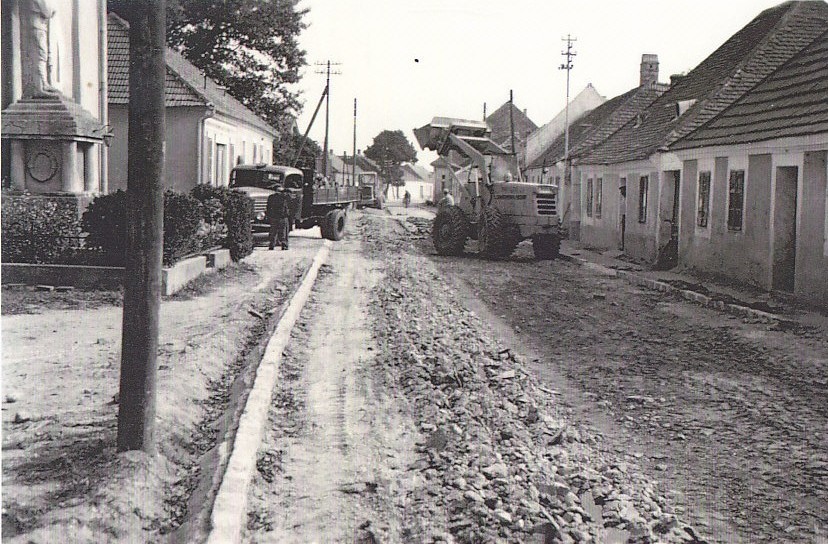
(182, 273)
(82, 277)
(173, 279)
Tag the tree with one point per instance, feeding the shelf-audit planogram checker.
(390, 149)
(248, 46)
(285, 150)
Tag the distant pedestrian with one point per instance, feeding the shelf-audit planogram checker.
(446, 201)
(278, 213)
(406, 199)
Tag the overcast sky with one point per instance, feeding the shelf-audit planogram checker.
(409, 60)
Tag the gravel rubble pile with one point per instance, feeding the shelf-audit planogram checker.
(498, 461)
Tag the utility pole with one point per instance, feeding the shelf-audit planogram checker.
(568, 54)
(512, 120)
(145, 229)
(327, 73)
(353, 168)
(484, 112)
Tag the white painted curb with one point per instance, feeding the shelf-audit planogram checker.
(230, 507)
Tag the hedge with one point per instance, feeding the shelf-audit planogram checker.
(39, 228)
(207, 217)
(238, 215)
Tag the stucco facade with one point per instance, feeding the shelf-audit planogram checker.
(207, 130)
(782, 242)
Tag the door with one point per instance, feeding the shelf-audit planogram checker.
(669, 224)
(784, 228)
(622, 211)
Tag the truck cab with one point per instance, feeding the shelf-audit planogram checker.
(310, 205)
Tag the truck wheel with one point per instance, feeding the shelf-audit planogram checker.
(497, 238)
(333, 228)
(450, 230)
(546, 246)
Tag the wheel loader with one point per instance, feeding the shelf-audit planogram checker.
(491, 206)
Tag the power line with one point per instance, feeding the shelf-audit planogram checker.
(328, 74)
(569, 54)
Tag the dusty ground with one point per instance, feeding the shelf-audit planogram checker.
(730, 416)
(335, 435)
(430, 429)
(427, 399)
(62, 479)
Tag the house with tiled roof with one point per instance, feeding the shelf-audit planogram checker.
(754, 202)
(207, 130)
(418, 181)
(635, 171)
(501, 120)
(587, 132)
(581, 104)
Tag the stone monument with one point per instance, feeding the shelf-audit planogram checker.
(54, 144)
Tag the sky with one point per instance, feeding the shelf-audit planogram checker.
(406, 61)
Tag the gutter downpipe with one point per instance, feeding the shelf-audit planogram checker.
(211, 111)
(103, 95)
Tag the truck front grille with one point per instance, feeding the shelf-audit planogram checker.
(546, 204)
(259, 205)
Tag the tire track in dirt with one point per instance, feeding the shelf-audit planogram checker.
(323, 465)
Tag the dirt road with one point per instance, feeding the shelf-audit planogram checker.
(402, 416)
(334, 437)
(729, 415)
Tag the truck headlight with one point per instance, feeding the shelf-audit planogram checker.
(260, 216)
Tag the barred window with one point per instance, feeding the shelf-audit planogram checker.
(643, 189)
(589, 198)
(599, 196)
(703, 215)
(736, 200)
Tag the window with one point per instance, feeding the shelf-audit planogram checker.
(643, 188)
(589, 190)
(703, 214)
(209, 159)
(221, 162)
(599, 196)
(736, 200)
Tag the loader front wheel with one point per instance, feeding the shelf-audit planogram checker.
(546, 246)
(450, 230)
(497, 238)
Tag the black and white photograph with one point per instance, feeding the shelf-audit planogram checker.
(414, 271)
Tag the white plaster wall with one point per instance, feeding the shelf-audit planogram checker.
(223, 130)
(585, 101)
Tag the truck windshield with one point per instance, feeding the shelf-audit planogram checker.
(255, 178)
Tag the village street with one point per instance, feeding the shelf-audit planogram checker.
(426, 399)
(456, 399)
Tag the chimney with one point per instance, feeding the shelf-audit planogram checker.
(675, 78)
(649, 69)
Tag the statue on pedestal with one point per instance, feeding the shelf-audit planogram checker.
(40, 13)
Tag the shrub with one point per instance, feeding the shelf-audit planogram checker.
(105, 221)
(39, 228)
(106, 224)
(182, 219)
(238, 215)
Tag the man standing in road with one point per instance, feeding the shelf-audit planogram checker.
(278, 212)
(446, 201)
(406, 199)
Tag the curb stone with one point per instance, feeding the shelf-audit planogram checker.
(227, 518)
(692, 296)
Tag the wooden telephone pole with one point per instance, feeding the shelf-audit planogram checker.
(145, 229)
(328, 75)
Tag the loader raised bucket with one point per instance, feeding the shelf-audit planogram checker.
(434, 135)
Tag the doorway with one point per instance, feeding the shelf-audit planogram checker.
(669, 216)
(784, 228)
